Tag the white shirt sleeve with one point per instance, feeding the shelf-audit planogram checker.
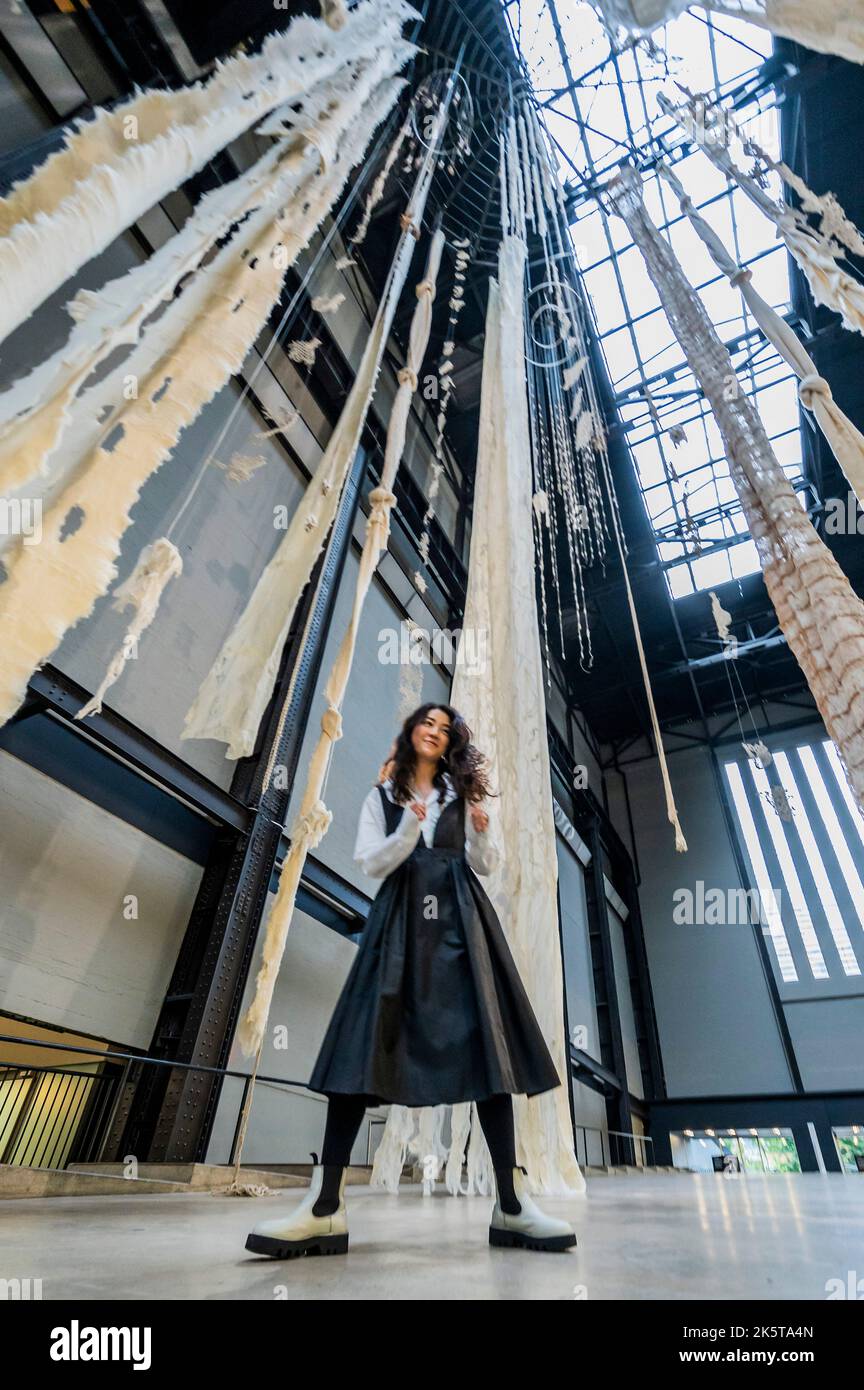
(378, 853)
(482, 854)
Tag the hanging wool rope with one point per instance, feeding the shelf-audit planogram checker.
(242, 466)
(833, 222)
(157, 565)
(671, 809)
(821, 617)
(723, 622)
(115, 167)
(376, 192)
(815, 253)
(445, 395)
(313, 818)
(199, 343)
(334, 13)
(567, 435)
(847, 442)
(826, 26)
(327, 303)
(304, 351)
(232, 699)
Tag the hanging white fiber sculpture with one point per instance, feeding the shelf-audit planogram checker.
(817, 255)
(313, 817)
(47, 419)
(334, 13)
(157, 565)
(826, 26)
(231, 701)
(200, 341)
(820, 615)
(503, 702)
(242, 467)
(376, 192)
(846, 441)
(304, 351)
(327, 303)
(116, 166)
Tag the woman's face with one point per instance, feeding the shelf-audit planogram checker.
(431, 737)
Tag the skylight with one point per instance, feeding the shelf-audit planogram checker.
(612, 112)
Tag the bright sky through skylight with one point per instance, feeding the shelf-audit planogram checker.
(687, 488)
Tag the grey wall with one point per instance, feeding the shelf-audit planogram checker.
(717, 1032)
(70, 955)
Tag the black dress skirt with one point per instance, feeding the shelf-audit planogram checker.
(433, 1010)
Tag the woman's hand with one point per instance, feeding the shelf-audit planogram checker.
(419, 809)
(386, 767)
(479, 819)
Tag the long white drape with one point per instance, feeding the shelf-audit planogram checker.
(116, 166)
(821, 617)
(827, 26)
(502, 698)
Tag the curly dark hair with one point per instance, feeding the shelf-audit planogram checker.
(464, 763)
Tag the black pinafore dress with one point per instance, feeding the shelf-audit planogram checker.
(433, 1010)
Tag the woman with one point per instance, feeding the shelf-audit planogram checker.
(433, 1010)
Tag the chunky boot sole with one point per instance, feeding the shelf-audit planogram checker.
(288, 1249)
(521, 1239)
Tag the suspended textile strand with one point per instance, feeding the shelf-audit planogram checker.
(313, 818)
(820, 615)
(846, 441)
(826, 26)
(50, 406)
(157, 566)
(232, 699)
(200, 341)
(817, 255)
(116, 166)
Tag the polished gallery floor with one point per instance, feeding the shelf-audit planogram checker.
(673, 1236)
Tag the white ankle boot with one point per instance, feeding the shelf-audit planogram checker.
(532, 1229)
(302, 1232)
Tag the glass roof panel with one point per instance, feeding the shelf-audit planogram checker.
(610, 114)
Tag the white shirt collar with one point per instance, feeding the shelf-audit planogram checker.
(449, 791)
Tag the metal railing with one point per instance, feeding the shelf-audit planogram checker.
(54, 1117)
(50, 1116)
(613, 1148)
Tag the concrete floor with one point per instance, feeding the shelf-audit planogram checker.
(665, 1237)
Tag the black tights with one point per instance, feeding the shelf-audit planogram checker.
(345, 1115)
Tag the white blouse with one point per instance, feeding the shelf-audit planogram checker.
(378, 853)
